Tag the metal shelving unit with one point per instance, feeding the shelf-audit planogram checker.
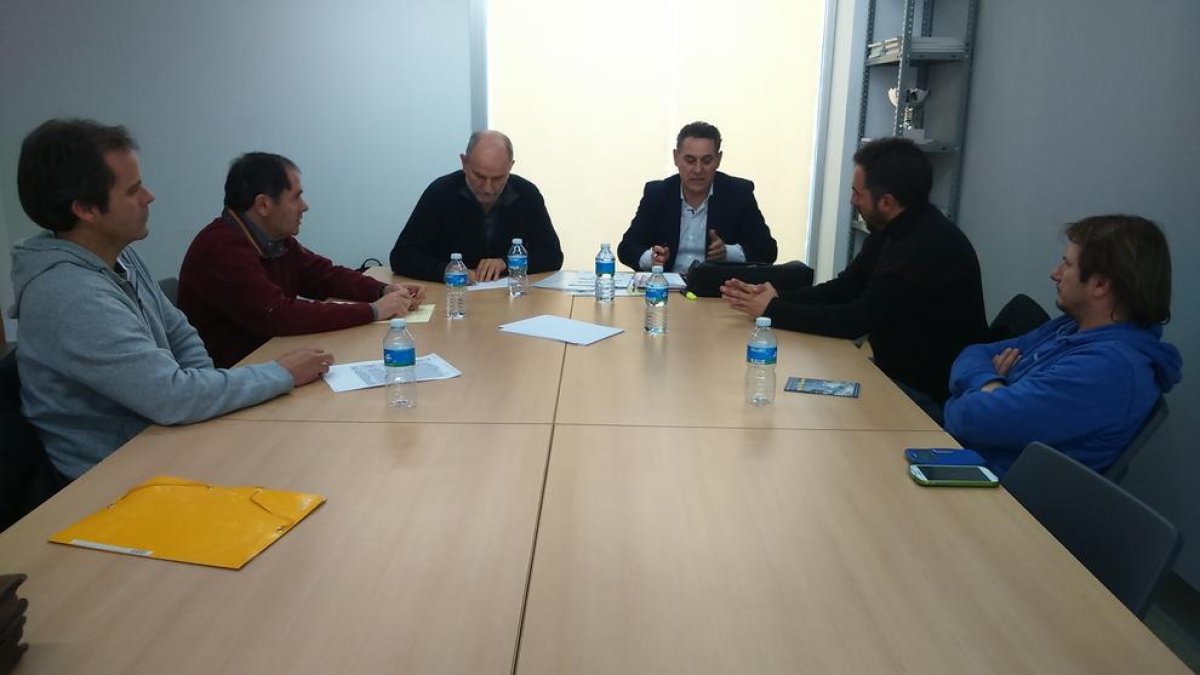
(917, 58)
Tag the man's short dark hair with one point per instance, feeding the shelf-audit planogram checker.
(699, 130)
(254, 174)
(896, 167)
(62, 162)
(1131, 252)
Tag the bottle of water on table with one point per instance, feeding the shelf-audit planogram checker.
(606, 269)
(456, 287)
(518, 268)
(656, 302)
(761, 353)
(400, 365)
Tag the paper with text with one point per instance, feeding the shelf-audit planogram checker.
(367, 374)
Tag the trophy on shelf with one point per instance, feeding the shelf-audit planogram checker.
(911, 99)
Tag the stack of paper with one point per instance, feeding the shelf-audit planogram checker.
(640, 279)
(584, 283)
(937, 45)
(489, 285)
(367, 374)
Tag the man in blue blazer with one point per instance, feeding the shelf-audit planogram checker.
(700, 214)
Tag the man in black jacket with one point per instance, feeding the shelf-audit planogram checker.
(914, 288)
(700, 214)
(477, 212)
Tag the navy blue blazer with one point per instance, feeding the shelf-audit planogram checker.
(732, 212)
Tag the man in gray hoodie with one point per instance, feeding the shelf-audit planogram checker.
(103, 354)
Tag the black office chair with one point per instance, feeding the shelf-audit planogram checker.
(1021, 315)
(1124, 542)
(1158, 415)
(170, 288)
(27, 478)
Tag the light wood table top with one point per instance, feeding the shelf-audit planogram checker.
(694, 375)
(784, 551)
(677, 529)
(491, 362)
(416, 563)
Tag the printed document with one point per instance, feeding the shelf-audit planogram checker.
(366, 374)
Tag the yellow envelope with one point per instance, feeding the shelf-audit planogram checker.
(184, 520)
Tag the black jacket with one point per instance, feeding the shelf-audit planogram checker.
(448, 219)
(732, 212)
(914, 288)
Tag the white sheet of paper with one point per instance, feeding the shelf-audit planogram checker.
(489, 285)
(421, 314)
(560, 328)
(366, 374)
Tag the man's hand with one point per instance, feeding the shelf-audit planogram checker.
(396, 303)
(306, 365)
(751, 299)
(716, 247)
(489, 269)
(415, 292)
(659, 255)
(1002, 362)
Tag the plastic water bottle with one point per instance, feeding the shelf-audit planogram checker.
(456, 287)
(761, 352)
(400, 365)
(656, 302)
(606, 269)
(518, 268)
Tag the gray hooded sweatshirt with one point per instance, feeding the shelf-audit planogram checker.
(102, 356)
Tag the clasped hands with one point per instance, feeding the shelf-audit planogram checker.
(751, 299)
(398, 300)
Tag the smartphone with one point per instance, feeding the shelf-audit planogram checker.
(944, 457)
(953, 476)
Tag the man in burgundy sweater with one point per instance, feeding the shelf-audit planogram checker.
(245, 278)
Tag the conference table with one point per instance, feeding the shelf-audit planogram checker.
(611, 508)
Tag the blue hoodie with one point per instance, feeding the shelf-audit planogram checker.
(1085, 393)
(102, 356)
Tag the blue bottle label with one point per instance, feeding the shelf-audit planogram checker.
(457, 279)
(399, 358)
(606, 267)
(656, 294)
(518, 262)
(761, 355)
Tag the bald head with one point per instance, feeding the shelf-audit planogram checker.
(486, 166)
(489, 139)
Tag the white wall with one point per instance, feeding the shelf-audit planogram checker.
(594, 97)
(371, 98)
(1083, 107)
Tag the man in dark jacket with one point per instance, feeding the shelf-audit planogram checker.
(477, 212)
(914, 288)
(700, 214)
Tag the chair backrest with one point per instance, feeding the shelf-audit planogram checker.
(1021, 315)
(1124, 542)
(1158, 415)
(27, 478)
(170, 288)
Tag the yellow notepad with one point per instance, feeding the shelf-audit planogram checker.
(184, 520)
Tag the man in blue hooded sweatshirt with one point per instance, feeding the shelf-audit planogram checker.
(1085, 382)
